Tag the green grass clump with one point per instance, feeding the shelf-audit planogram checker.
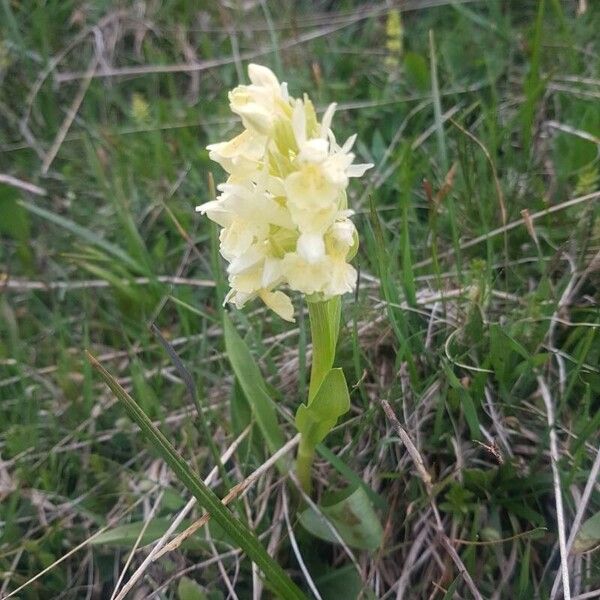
(476, 313)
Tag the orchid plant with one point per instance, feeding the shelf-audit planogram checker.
(286, 226)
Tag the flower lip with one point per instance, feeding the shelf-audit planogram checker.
(311, 247)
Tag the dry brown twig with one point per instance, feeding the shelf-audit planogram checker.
(70, 117)
(582, 505)
(177, 521)
(514, 224)
(138, 540)
(27, 285)
(112, 521)
(560, 513)
(488, 157)
(296, 549)
(428, 483)
(22, 185)
(235, 492)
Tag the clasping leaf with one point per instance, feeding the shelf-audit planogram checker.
(331, 401)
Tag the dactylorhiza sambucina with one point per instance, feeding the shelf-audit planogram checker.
(286, 224)
(283, 209)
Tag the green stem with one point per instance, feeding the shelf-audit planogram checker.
(304, 461)
(324, 330)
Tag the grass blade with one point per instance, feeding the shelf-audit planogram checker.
(437, 105)
(232, 526)
(255, 389)
(83, 233)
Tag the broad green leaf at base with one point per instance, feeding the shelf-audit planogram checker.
(353, 518)
(588, 536)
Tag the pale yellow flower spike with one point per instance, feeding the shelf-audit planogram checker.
(283, 209)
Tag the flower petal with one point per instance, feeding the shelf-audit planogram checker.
(299, 123)
(262, 76)
(349, 143)
(327, 118)
(311, 247)
(279, 303)
(358, 170)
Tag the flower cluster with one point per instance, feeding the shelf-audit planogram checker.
(283, 208)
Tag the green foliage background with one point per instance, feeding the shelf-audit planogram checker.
(456, 319)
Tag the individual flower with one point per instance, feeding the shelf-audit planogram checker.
(283, 209)
(260, 103)
(241, 155)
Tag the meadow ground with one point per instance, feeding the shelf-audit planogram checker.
(476, 317)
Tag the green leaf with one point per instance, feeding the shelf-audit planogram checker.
(499, 353)
(188, 589)
(255, 389)
(15, 223)
(332, 401)
(353, 478)
(324, 330)
(344, 582)
(353, 517)
(588, 536)
(533, 86)
(417, 71)
(239, 533)
(466, 402)
(126, 535)
(524, 590)
(117, 282)
(408, 276)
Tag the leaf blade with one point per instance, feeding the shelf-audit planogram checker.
(236, 529)
(588, 536)
(255, 389)
(353, 518)
(83, 233)
(315, 420)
